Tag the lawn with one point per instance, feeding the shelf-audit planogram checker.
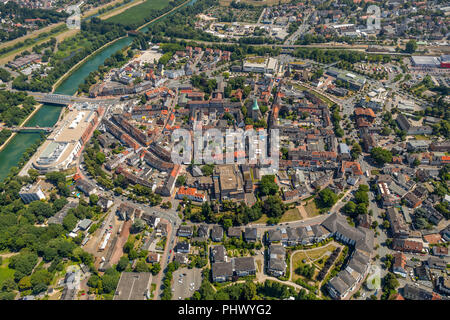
(137, 15)
(311, 209)
(5, 272)
(291, 215)
(310, 256)
(261, 220)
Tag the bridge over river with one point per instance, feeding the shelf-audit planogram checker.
(62, 99)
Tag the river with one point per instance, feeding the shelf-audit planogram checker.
(48, 114)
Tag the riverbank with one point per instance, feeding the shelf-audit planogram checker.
(81, 62)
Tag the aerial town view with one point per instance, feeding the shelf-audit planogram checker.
(224, 150)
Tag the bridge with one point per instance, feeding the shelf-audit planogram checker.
(65, 99)
(28, 129)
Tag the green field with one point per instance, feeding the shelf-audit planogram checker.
(5, 272)
(137, 15)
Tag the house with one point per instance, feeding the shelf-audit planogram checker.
(203, 231)
(185, 231)
(437, 263)
(153, 257)
(85, 187)
(399, 229)
(276, 265)
(273, 236)
(406, 245)
(244, 266)
(126, 211)
(399, 264)
(31, 193)
(411, 292)
(218, 254)
(105, 203)
(181, 258)
(217, 233)
(440, 251)
(84, 224)
(234, 232)
(411, 200)
(222, 271)
(251, 234)
(443, 285)
(182, 247)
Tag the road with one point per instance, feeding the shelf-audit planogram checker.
(302, 29)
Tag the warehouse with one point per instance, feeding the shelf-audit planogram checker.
(425, 62)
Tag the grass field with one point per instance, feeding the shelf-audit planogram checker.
(5, 272)
(291, 215)
(311, 257)
(311, 209)
(137, 14)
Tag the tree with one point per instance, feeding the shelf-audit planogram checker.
(138, 226)
(268, 186)
(274, 207)
(156, 268)
(122, 264)
(411, 46)
(349, 208)
(380, 155)
(181, 180)
(327, 198)
(93, 199)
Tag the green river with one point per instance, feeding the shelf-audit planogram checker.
(48, 114)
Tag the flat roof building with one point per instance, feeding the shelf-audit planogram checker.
(133, 286)
(64, 143)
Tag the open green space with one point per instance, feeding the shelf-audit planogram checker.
(311, 209)
(137, 15)
(5, 271)
(291, 215)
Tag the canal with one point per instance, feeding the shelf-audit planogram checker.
(48, 114)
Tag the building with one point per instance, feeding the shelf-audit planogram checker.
(399, 265)
(261, 65)
(425, 62)
(191, 194)
(276, 265)
(222, 271)
(62, 146)
(31, 193)
(244, 266)
(406, 245)
(217, 233)
(218, 254)
(398, 225)
(183, 247)
(133, 286)
(86, 187)
(411, 292)
(406, 126)
(251, 234)
(185, 231)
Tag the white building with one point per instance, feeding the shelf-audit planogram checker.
(31, 193)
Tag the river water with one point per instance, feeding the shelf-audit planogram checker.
(48, 114)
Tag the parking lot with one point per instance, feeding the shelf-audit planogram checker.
(186, 282)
